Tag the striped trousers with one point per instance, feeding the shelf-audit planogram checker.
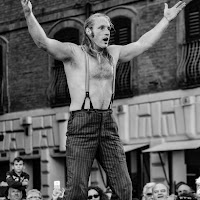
(93, 134)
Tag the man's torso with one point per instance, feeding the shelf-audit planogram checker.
(101, 75)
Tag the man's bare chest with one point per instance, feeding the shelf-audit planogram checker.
(100, 70)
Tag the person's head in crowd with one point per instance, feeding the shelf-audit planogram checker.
(96, 193)
(183, 188)
(147, 192)
(14, 194)
(33, 194)
(160, 191)
(18, 165)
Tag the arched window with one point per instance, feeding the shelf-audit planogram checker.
(122, 36)
(60, 95)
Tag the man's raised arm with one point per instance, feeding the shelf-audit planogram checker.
(57, 49)
(145, 42)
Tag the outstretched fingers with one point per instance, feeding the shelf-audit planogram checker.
(25, 2)
(180, 5)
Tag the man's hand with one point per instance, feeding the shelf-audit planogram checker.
(25, 182)
(171, 13)
(27, 7)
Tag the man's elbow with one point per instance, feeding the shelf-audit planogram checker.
(41, 44)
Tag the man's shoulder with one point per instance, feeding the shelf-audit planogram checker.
(113, 48)
(24, 174)
(11, 172)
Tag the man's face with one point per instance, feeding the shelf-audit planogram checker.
(149, 194)
(18, 166)
(160, 192)
(183, 189)
(100, 32)
(14, 194)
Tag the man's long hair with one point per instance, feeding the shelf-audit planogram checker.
(88, 43)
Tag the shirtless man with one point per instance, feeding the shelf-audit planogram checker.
(92, 130)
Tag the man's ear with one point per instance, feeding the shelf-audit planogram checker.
(88, 31)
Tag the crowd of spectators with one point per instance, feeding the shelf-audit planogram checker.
(17, 182)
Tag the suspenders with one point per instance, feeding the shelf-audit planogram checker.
(86, 81)
(87, 95)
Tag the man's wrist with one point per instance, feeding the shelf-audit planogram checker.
(27, 14)
(166, 18)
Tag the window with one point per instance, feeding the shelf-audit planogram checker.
(188, 72)
(192, 21)
(122, 36)
(60, 95)
(4, 104)
(1, 79)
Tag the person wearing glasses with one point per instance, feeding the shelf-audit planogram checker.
(147, 193)
(96, 193)
(34, 194)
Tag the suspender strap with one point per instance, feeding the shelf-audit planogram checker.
(87, 95)
(113, 87)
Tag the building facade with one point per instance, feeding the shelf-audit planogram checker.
(157, 101)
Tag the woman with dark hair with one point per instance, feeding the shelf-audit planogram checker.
(95, 192)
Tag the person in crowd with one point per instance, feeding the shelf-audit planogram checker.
(160, 191)
(17, 178)
(96, 193)
(147, 193)
(90, 69)
(14, 193)
(183, 188)
(34, 194)
(58, 193)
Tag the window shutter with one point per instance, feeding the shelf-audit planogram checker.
(1, 79)
(1, 60)
(122, 36)
(59, 87)
(192, 21)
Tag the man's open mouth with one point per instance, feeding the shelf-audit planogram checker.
(105, 39)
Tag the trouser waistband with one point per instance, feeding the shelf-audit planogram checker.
(91, 110)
